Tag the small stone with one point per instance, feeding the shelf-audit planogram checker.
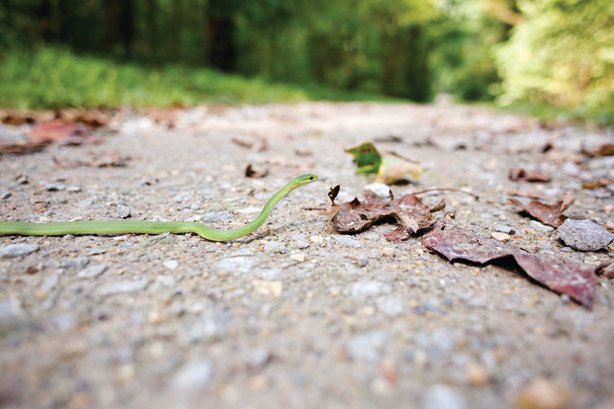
(54, 186)
(543, 393)
(300, 241)
(11, 312)
(275, 247)
(124, 287)
(535, 225)
(171, 264)
(367, 289)
(387, 252)
(22, 180)
(584, 235)
(347, 241)
(500, 236)
(18, 249)
(379, 189)
(391, 306)
(123, 211)
(259, 358)
(194, 375)
(5, 195)
(92, 271)
(167, 281)
(73, 188)
(240, 265)
(362, 260)
(443, 397)
(300, 257)
(73, 263)
(476, 375)
(501, 228)
(268, 288)
(182, 197)
(316, 239)
(367, 346)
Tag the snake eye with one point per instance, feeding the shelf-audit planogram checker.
(310, 177)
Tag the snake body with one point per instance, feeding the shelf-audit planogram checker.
(150, 227)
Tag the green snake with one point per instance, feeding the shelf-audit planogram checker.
(149, 227)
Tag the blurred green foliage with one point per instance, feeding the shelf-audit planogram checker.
(53, 78)
(544, 53)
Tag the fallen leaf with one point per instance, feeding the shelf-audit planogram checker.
(596, 184)
(250, 172)
(607, 149)
(606, 270)
(408, 211)
(521, 174)
(388, 167)
(563, 277)
(57, 130)
(333, 192)
(551, 215)
(111, 160)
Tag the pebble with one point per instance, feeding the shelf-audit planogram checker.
(268, 288)
(379, 189)
(387, 252)
(123, 287)
(500, 236)
(50, 282)
(367, 346)
(77, 262)
(391, 306)
(73, 188)
(167, 281)
(5, 195)
(362, 260)
(502, 228)
(240, 265)
(367, 289)
(170, 264)
(476, 375)
(584, 235)
(316, 239)
(443, 397)
(92, 271)
(54, 186)
(123, 211)
(259, 358)
(275, 247)
(11, 312)
(18, 249)
(300, 241)
(535, 225)
(182, 197)
(209, 328)
(543, 393)
(194, 375)
(347, 241)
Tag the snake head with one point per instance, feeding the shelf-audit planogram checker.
(305, 179)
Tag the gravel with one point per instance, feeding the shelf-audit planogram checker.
(17, 250)
(294, 315)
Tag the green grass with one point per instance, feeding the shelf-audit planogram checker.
(55, 78)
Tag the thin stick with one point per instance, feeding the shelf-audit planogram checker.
(445, 189)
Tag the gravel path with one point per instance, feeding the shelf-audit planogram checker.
(294, 316)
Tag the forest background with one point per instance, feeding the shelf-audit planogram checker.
(547, 57)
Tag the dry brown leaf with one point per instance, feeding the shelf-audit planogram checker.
(111, 160)
(408, 211)
(551, 215)
(564, 277)
(525, 175)
(607, 149)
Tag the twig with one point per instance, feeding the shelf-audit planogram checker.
(445, 189)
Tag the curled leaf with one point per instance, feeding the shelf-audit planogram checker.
(521, 174)
(551, 215)
(408, 211)
(388, 167)
(562, 276)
